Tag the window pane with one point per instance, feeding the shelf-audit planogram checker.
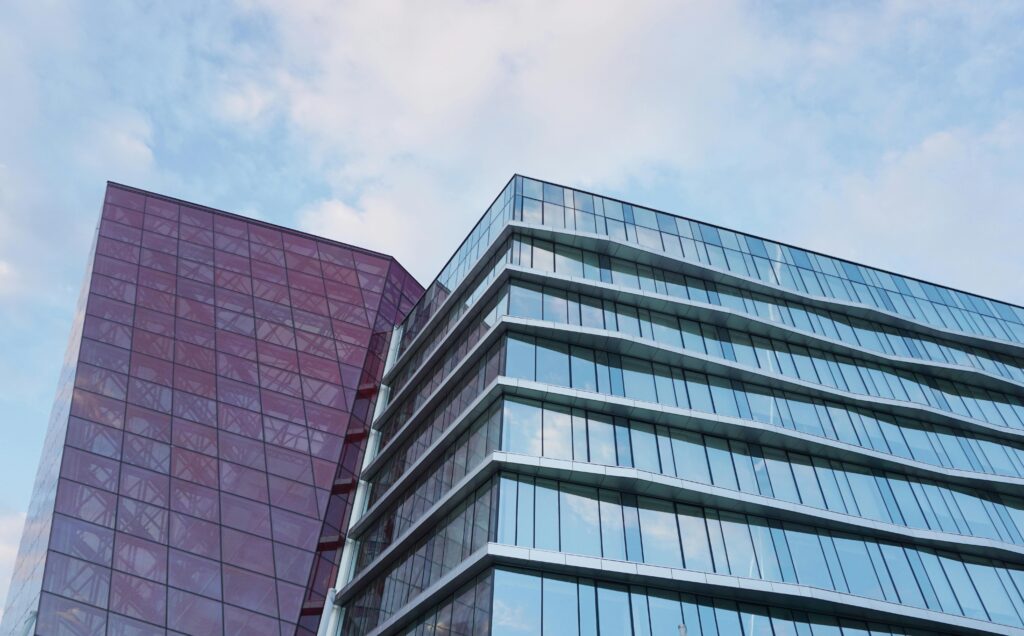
(583, 370)
(645, 447)
(638, 380)
(525, 301)
(507, 510)
(659, 534)
(808, 558)
(857, 569)
(557, 433)
(553, 363)
(613, 538)
(738, 546)
(688, 453)
(521, 427)
(700, 394)
(524, 513)
(696, 551)
(556, 307)
(613, 610)
(602, 440)
(665, 614)
(520, 358)
(720, 459)
(517, 603)
(561, 615)
(546, 515)
(580, 522)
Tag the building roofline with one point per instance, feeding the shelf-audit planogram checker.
(469, 233)
(790, 245)
(247, 219)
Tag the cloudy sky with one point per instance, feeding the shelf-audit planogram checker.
(890, 132)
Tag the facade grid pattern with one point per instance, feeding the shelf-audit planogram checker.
(599, 419)
(197, 474)
(605, 419)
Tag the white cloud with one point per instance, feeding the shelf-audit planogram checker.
(581, 89)
(10, 535)
(751, 118)
(402, 219)
(948, 207)
(244, 103)
(417, 111)
(8, 279)
(118, 145)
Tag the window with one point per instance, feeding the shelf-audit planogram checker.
(700, 394)
(560, 610)
(525, 301)
(664, 610)
(546, 515)
(580, 523)
(658, 532)
(543, 256)
(521, 591)
(638, 380)
(556, 307)
(613, 538)
(557, 433)
(808, 557)
(666, 329)
(583, 370)
(602, 440)
(521, 427)
(857, 569)
(742, 561)
(613, 610)
(591, 313)
(520, 358)
(644, 447)
(690, 459)
(507, 510)
(696, 550)
(720, 459)
(553, 363)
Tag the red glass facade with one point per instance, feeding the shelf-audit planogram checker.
(203, 450)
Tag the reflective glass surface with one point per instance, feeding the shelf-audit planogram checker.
(658, 532)
(814, 408)
(710, 393)
(219, 384)
(838, 486)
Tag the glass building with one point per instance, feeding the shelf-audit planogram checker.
(199, 466)
(605, 419)
(598, 419)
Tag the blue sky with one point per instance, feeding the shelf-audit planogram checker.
(885, 132)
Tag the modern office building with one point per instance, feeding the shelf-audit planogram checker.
(598, 419)
(198, 470)
(604, 419)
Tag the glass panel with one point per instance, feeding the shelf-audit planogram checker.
(521, 427)
(557, 433)
(517, 604)
(613, 610)
(659, 533)
(580, 522)
(560, 610)
(696, 550)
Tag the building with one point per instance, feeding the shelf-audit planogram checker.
(598, 419)
(605, 419)
(199, 466)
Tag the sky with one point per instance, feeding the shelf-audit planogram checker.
(890, 133)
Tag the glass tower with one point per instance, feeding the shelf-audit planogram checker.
(605, 419)
(199, 466)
